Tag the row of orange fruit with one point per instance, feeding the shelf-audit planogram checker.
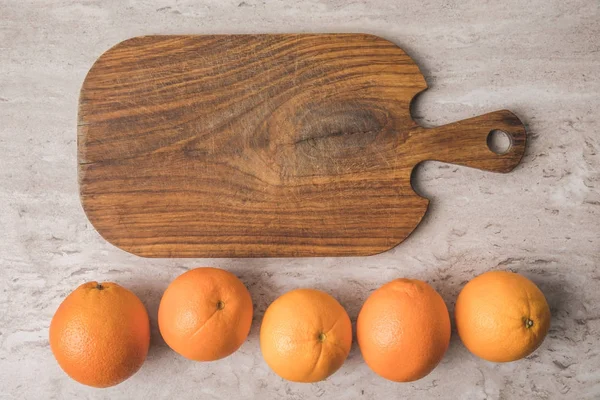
(100, 334)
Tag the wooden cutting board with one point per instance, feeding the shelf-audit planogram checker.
(263, 145)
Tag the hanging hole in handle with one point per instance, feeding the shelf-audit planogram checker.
(499, 141)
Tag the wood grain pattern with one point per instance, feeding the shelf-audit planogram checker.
(263, 145)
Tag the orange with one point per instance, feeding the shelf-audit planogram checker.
(403, 330)
(305, 335)
(205, 314)
(100, 334)
(501, 316)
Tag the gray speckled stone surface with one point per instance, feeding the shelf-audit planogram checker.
(539, 58)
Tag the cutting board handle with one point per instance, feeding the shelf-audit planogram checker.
(466, 142)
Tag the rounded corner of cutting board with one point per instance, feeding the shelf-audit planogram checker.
(124, 43)
(395, 242)
(421, 85)
(103, 234)
(115, 48)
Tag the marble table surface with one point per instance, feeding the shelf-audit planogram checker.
(538, 58)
